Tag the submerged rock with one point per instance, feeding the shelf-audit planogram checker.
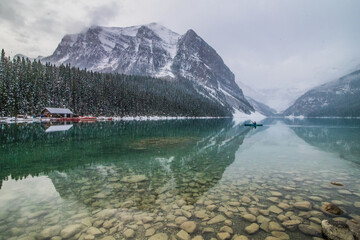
(198, 237)
(280, 235)
(336, 230)
(337, 184)
(107, 238)
(217, 219)
(283, 205)
(147, 219)
(260, 219)
(274, 226)
(275, 209)
(180, 220)
(99, 196)
(331, 209)
(94, 231)
(291, 223)
(345, 192)
(129, 233)
(315, 198)
(149, 232)
(265, 226)
(354, 227)
(252, 228)
(254, 211)
(249, 217)
(303, 205)
(106, 213)
(245, 199)
(50, 232)
(189, 226)
(71, 230)
(276, 194)
(183, 235)
(310, 230)
(134, 179)
(227, 229)
(208, 230)
(223, 235)
(159, 236)
(242, 237)
(290, 189)
(201, 214)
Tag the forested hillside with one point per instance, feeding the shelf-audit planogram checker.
(339, 98)
(27, 87)
(152, 50)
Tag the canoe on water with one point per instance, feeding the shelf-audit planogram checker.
(252, 125)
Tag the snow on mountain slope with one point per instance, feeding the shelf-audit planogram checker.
(276, 98)
(261, 107)
(153, 50)
(339, 98)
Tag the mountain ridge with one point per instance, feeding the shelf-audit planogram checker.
(153, 50)
(338, 98)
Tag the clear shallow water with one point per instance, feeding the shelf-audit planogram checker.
(144, 178)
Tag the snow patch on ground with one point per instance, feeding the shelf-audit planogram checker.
(157, 118)
(293, 117)
(240, 117)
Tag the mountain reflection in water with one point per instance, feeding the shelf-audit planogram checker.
(187, 157)
(142, 179)
(340, 136)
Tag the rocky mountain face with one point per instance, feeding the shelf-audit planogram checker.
(153, 50)
(262, 108)
(339, 98)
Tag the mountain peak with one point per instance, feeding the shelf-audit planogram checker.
(153, 50)
(154, 25)
(146, 32)
(191, 33)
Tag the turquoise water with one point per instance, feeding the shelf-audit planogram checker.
(143, 180)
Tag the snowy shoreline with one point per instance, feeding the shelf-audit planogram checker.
(11, 120)
(238, 117)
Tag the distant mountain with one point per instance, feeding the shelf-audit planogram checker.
(262, 108)
(343, 140)
(278, 99)
(25, 57)
(339, 98)
(153, 50)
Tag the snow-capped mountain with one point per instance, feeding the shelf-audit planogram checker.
(340, 98)
(261, 107)
(153, 50)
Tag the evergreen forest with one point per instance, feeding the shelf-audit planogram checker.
(27, 87)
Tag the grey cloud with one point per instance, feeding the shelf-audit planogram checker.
(298, 43)
(9, 13)
(103, 14)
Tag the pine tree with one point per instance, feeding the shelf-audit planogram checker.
(27, 87)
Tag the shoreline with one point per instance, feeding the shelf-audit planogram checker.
(13, 120)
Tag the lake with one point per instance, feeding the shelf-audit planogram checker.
(177, 179)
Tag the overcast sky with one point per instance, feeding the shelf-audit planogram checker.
(267, 44)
